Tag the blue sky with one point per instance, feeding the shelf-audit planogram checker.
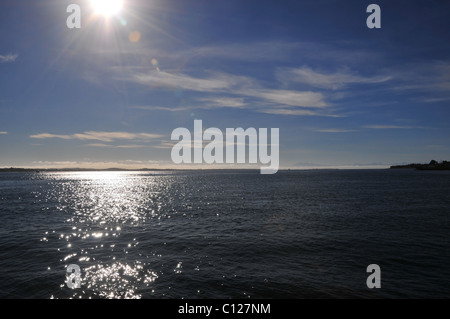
(110, 93)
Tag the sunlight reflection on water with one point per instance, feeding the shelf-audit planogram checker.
(104, 204)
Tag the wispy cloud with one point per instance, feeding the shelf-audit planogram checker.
(275, 51)
(4, 133)
(162, 108)
(204, 103)
(332, 81)
(254, 51)
(296, 112)
(390, 127)
(214, 102)
(101, 145)
(214, 83)
(334, 130)
(301, 87)
(433, 76)
(168, 144)
(235, 88)
(99, 136)
(8, 58)
(290, 97)
(436, 100)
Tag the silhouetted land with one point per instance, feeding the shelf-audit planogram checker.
(432, 166)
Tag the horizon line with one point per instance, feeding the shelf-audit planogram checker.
(337, 167)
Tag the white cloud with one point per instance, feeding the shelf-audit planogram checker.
(4, 133)
(215, 83)
(168, 144)
(266, 110)
(48, 135)
(214, 102)
(290, 98)
(332, 81)
(264, 100)
(99, 136)
(8, 58)
(235, 87)
(221, 89)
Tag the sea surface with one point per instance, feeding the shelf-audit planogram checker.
(225, 234)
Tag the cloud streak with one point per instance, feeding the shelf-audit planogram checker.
(163, 108)
(290, 97)
(335, 130)
(99, 136)
(296, 112)
(233, 89)
(215, 83)
(3, 133)
(8, 58)
(392, 127)
(433, 76)
(204, 103)
(231, 102)
(102, 145)
(331, 81)
(296, 91)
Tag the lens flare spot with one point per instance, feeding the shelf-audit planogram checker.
(134, 36)
(155, 64)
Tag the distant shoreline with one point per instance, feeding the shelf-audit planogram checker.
(49, 170)
(432, 166)
(56, 170)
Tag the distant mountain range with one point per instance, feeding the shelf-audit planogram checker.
(433, 165)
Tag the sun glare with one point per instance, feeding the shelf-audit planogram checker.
(107, 7)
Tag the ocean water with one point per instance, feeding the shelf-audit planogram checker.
(225, 234)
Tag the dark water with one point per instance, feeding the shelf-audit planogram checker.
(304, 234)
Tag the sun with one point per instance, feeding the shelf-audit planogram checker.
(107, 8)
